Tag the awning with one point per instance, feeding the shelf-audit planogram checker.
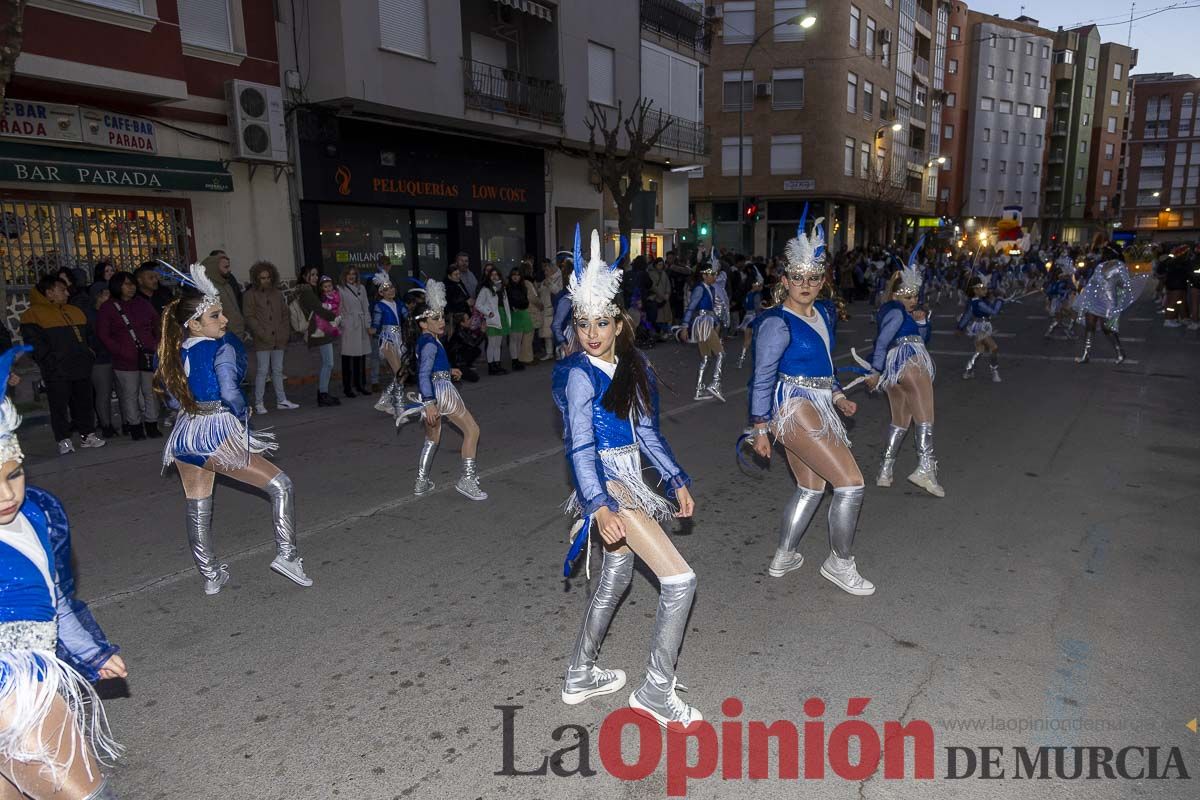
(38, 165)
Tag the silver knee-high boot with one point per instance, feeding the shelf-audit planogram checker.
(894, 438)
(287, 560)
(994, 366)
(714, 387)
(796, 518)
(1087, 349)
(969, 372)
(839, 567)
(468, 484)
(584, 679)
(423, 484)
(386, 401)
(199, 530)
(701, 392)
(742, 358)
(925, 475)
(656, 696)
(1115, 339)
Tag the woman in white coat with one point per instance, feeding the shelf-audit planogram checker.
(356, 335)
(492, 302)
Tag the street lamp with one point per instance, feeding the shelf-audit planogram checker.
(805, 21)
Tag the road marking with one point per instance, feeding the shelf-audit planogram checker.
(1030, 356)
(994, 334)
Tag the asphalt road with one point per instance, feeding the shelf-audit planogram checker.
(1049, 599)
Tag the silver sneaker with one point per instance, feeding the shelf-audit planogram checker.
(592, 683)
(926, 478)
(784, 562)
(844, 574)
(673, 710)
(885, 473)
(995, 374)
(212, 586)
(468, 484)
(292, 570)
(423, 486)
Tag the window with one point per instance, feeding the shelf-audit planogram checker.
(851, 92)
(987, 134)
(1037, 140)
(948, 132)
(1020, 167)
(1114, 98)
(1089, 90)
(1008, 76)
(992, 40)
(983, 165)
(991, 72)
(1042, 82)
(1004, 137)
(1005, 107)
(869, 44)
(402, 26)
(785, 10)
(1103, 202)
(864, 159)
(1045, 51)
(1000, 197)
(885, 54)
(983, 196)
(1003, 167)
(1108, 151)
(1078, 199)
(729, 155)
(1022, 109)
(855, 21)
(206, 23)
(601, 78)
(1112, 124)
(1018, 195)
(1116, 72)
(132, 6)
(1027, 79)
(738, 24)
(952, 66)
(1038, 113)
(883, 104)
(1028, 47)
(1079, 173)
(737, 90)
(1012, 44)
(1085, 119)
(1083, 146)
(951, 99)
(868, 98)
(946, 164)
(1064, 57)
(1091, 62)
(1037, 169)
(848, 157)
(788, 88)
(1021, 138)
(785, 155)
(1106, 177)
(955, 33)
(987, 104)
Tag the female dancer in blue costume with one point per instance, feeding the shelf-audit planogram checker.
(903, 369)
(794, 394)
(440, 399)
(976, 322)
(200, 373)
(52, 726)
(702, 325)
(609, 403)
(388, 315)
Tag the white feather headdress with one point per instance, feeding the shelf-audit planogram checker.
(435, 298)
(714, 263)
(198, 279)
(910, 276)
(806, 253)
(10, 420)
(594, 284)
(382, 278)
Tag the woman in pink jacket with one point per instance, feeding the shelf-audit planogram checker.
(128, 326)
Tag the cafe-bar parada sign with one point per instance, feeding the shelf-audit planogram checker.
(53, 122)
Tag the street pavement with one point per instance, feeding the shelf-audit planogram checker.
(1054, 586)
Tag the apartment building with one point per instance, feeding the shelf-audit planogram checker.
(1074, 80)
(1110, 129)
(429, 128)
(1005, 130)
(118, 140)
(955, 133)
(817, 108)
(1163, 166)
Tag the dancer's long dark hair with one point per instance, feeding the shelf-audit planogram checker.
(629, 393)
(170, 377)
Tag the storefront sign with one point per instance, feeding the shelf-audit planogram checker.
(46, 121)
(799, 186)
(118, 131)
(930, 222)
(49, 165)
(529, 7)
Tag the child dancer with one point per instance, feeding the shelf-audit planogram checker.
(703, 327)
(387, 322)
(976, 321)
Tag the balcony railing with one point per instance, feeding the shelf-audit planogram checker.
(1057, 157)
(924, 19)
(1062, 101)
(681, 135)
(1060, 129)
(921, 66)
(678, 22)
(505, 91)
(1054, 186)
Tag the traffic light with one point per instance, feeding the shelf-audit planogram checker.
(704, 229)
(752, 208)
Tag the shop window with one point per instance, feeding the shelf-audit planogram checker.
(366, 237)
(501, 240)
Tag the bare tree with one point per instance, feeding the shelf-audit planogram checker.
(880, 202)
(12, 31)
(620, 170)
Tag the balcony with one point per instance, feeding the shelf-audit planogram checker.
(1059, 129)
(1062, 101)
(505, 91)
(925, 20)
(1057, 157)
(671, 19)
(1054, 186)
(681, 135)
(921, 67)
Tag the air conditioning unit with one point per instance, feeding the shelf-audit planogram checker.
(715, 12)
(885, 36)
(256, 122)
(762, 89)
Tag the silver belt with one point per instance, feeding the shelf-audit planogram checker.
(620, 451)
(207, 408)
(28, 635)
(440, 375)
(807, 382)
(907, 340)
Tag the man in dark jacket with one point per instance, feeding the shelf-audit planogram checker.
(58, 333)
(149, 287)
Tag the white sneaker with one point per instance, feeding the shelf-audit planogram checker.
(65, 447)
(601, 682)
(784, 562)
(927, 480)
(843, 573)
(1171, 323)
(260, 409)
(286, 404)
(292, 570)
(213, 586)
(674, 710)
(91, 440)
(968, 374)
(995, 375)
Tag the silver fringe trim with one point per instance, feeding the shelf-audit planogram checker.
(910, 352)
(221, 437)
(623, 467)
(449, 401)
(702, 326)
(391, 339)
(980, 329)
(789, 397)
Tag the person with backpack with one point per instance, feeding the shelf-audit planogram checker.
(268, 319)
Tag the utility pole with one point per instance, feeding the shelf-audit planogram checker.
(1129, 37)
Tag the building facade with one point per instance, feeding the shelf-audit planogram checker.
(1074, 80)
(817, 111)
(432, 128)
(1110, 130)
(116, 143)
(1163, 169)
(955, 133)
